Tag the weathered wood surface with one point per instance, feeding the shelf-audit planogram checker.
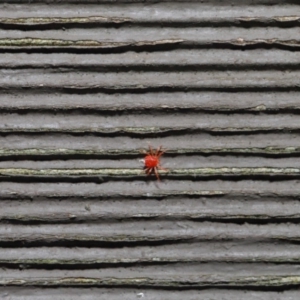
(86, 86)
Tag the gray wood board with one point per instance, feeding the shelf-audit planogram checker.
(86, 86)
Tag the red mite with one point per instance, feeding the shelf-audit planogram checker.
(152, 161)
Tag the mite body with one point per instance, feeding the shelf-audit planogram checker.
(152, 161)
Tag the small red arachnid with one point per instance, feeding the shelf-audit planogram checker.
(152, 161)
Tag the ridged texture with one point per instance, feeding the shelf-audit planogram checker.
(86, 86)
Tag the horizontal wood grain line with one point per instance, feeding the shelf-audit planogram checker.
(31, 21)
(125, 195)
(63, 45)
(167, 10)
(206, 141)
(194, 59)
(160, 230)
(78, 293)
(150, 131)
(249, 190)
(111, 2)
(58, 263)
(192, 36)
(227, 196)
(40, 22)
(55, 217)
(190, 282)
(132, 103)
(116, 109)
(173, 173)
(44, 81)
(14, 43)
(105, 153)
(89, 258)
(252, 252)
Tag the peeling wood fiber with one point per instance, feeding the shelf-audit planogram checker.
(86, 86)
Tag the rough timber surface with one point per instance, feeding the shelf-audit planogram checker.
(86, 86)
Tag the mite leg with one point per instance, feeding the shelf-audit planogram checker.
(151, 150)
(156, 173)
(161, 168)
(148, 171)
(160, 151)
